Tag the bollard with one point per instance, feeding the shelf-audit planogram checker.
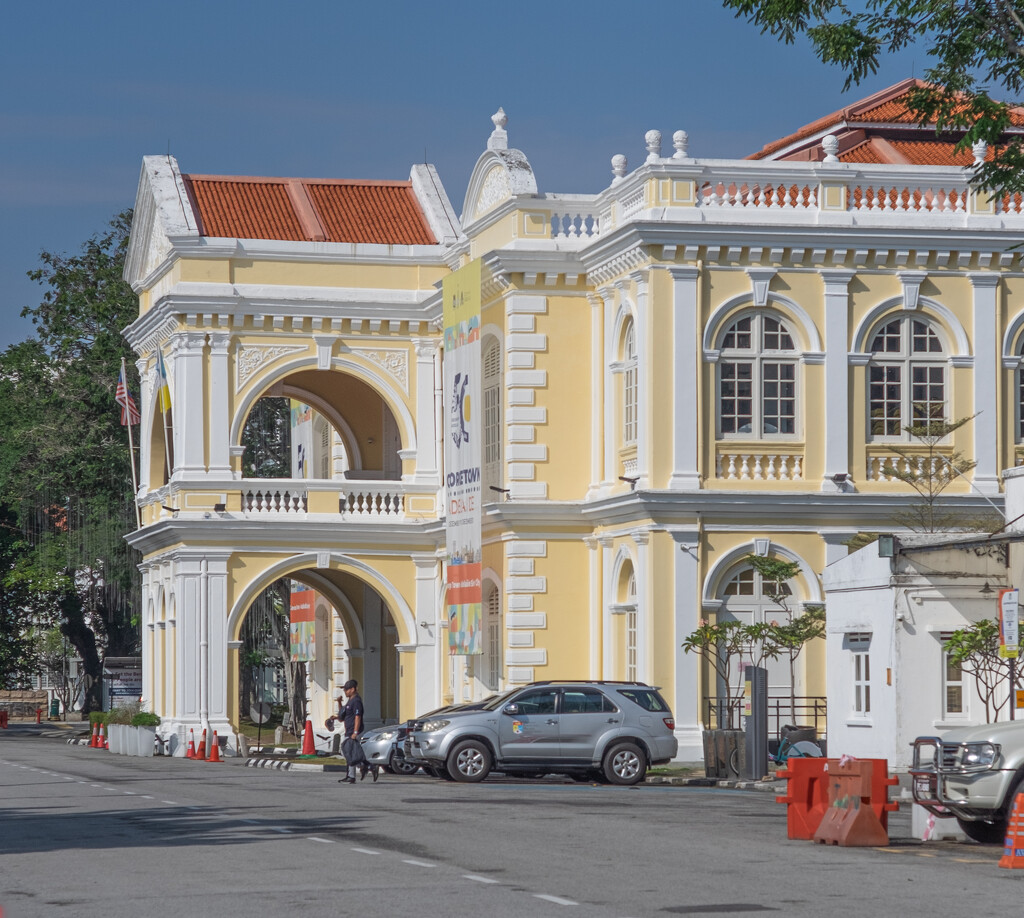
(39, 715)
(3, 719)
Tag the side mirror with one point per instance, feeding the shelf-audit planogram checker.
(510, 709)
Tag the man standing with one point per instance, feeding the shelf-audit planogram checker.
(352, 714)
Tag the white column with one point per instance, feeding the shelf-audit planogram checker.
(644, 644)
(595, 624)
(217, 641)
(837, 378)
(611, 426)
(686, 699)
(372, 635)
(987, 367)
(146, 427)
(598, 395)
(220, 400)
(188, 405)
(644, 364)
(427, 434)
(186, 589)
(606, 598)
(150, 664)
(428, 635)
(686, 413)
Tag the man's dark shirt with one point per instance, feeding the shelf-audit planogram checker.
(349, 713)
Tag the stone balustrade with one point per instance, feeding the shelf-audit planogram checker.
(880, 465)
(769, 465)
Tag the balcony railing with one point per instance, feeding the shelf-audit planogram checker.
(765, 464)
(879, 459)
(352, 499)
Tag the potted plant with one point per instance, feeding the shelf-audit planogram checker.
(145, 724)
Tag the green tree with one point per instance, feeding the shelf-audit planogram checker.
(17, 646)
(976, 650)
(55, 655)
(64, 457)
(975, 48)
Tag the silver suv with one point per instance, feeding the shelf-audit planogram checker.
(609, 730)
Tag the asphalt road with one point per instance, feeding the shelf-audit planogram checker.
(84, 833)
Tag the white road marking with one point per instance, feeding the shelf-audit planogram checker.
(416, 863)
(169, 802)
(128, 793)
(558, 900)
(323, 841)
(280, 830)
(478, 879)
(250, 822)
(365, 851)
(146, 796)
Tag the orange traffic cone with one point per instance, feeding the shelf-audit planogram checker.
(103, 737)
(1013, 852)
(201, 752)
(94, 740)
(190, 753)
(307, 739)
(215, 750)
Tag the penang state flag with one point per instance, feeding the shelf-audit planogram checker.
(163, 387)
(129, 411)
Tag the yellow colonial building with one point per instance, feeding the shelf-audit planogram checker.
(705, 360)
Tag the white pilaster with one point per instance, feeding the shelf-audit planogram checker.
(987, 367)
(644, 578)
(220, 396)
(187, 405)
(427, 434)
(644, 346)
(837, 378)
(685, 368)
(608, 389)
(428, 616)
(686, 700)
(607, 597)
(595, 624)
(597, 399)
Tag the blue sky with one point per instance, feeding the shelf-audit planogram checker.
(346, 90)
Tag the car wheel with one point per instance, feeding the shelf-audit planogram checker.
(469, 762)
(625, 763)
(985, 833)
(402, 767)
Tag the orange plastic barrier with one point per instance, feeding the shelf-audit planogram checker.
(806, 796)
(1013, 852)
(850, 820)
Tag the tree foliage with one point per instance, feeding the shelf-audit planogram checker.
(975, 50)
(17, 646)
(64, 457)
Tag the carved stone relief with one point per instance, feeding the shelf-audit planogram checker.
(394, 362)
(251, 357)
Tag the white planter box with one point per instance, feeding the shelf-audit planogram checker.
(145, 741)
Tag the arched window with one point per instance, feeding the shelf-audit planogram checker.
(629, 384)
(492, 471)
(757, 379)
(906, 377)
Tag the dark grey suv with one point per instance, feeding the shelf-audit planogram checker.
(609, 730)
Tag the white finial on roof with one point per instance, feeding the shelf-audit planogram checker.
(499, 138)
(680, 140)
(980, 151)
(830, 144)
(618, 168)
(653, 141)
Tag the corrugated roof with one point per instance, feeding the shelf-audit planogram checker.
(296, 210)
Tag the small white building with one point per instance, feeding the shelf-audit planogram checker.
(891, 609)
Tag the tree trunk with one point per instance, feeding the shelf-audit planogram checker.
(74, 627)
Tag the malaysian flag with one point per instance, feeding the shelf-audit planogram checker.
(129, 413)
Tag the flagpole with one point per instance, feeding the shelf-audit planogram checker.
(131, 455)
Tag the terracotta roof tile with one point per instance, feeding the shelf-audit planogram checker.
(865, 152)
(936, 153)
(242, 207)
(370, 212)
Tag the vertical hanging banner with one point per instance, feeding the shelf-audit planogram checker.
(462, 453)
(1009, 640)
(302, 440)
(302, 624)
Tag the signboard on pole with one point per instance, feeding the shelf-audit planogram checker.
(1009, 638)
(302, 625)
(462, 453)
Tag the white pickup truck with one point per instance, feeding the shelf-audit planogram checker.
(973, 774)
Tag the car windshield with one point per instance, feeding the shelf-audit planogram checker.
(647, 698)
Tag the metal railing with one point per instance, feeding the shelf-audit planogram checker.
(804, 710)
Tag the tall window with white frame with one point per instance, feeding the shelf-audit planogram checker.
(952, 684)
(906, 377)
(757, 379)
(491, 392)
(859, 647)
(630, 405)
(492, 672)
